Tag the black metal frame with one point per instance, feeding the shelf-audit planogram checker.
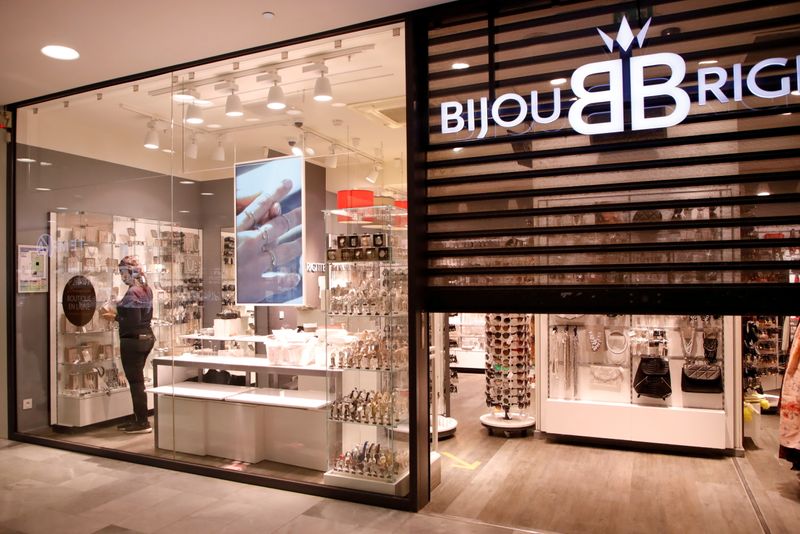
(419, 495)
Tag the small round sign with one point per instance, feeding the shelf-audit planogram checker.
(79, 300)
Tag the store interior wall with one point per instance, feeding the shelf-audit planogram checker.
(3, 294)
(101, 187)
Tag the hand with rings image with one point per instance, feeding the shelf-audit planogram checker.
(259, 226)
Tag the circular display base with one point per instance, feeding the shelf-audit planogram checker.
(447, 427)
(517, 423)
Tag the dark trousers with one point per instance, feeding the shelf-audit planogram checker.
(134, 354)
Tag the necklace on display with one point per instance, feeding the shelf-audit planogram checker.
(594, 340)
(616, 349)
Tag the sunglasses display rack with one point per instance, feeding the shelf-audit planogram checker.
(87, 383)
(508, 373)
(366, 344)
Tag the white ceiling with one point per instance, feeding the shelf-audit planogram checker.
(118, 37)
(110, 125)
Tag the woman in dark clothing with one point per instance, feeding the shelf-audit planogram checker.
(136, 338)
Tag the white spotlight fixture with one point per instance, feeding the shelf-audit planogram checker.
(63, 53)
(219, 152)
(26, 160)
(372, 177)
(296, 150)
(275, 98)
(193, 115)
(322, 89)
(763, 190)
(233, 105)
(558, 81)
(459, 65)
(308, 150)
(43, 189)
(151, 139)
(458, 149)
(191, 150)
(330, 161)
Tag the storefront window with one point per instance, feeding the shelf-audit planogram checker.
(180, 275)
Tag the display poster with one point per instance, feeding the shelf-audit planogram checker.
(32, 269)
(270, 241)
(79, 300)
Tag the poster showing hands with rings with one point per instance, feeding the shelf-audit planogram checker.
(269, 231)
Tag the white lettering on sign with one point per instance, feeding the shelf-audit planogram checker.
(315, 267)
(711, 82)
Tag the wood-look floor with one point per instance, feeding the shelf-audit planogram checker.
(538, 484)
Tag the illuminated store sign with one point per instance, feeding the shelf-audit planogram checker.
(710, 83)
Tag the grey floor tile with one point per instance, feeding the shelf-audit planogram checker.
(359, 515)
(164, 513)
(132, 504)
(283, 503)
(45, 521)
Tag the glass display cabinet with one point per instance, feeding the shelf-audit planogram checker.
(366, 340)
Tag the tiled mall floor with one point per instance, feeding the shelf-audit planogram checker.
(44, 490)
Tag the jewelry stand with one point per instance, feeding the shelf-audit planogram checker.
(508, 367)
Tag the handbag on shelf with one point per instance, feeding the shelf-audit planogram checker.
(701, 378)
(652, 378)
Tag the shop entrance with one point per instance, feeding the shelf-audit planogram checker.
(564, 475)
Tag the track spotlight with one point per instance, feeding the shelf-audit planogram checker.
(233, 105)
(296, 150)
(219, 152)
(193, 115)
(151, 139)
(191, 150)
(372, 177)
(275, 98)
(330, 161)
(322, 89)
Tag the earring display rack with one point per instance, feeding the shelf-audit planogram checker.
(87, 382)
(508, 373)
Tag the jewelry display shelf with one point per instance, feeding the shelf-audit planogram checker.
(367, 299)
(238, 363)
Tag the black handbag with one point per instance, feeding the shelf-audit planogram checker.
(652, 378)
(701, 378)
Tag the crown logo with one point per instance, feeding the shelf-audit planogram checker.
(625, 36)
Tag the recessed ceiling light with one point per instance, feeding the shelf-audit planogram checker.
(458, 149)
(167, 150)
(207, 194)
(202, 103)
(339, 104)
(45, 164)
(268, 15)
(60, 52)
(186, 182)
(295, 111)
(184, 211)
(26, 160)
(708, 62)
(43, 189)
(251, 119)
(213, 126)
(459, 65)
(558, 81)
(61, 208)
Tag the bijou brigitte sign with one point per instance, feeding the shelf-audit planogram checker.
(710, 80)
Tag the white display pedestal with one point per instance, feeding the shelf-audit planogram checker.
(398, 488)
(516, 423)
